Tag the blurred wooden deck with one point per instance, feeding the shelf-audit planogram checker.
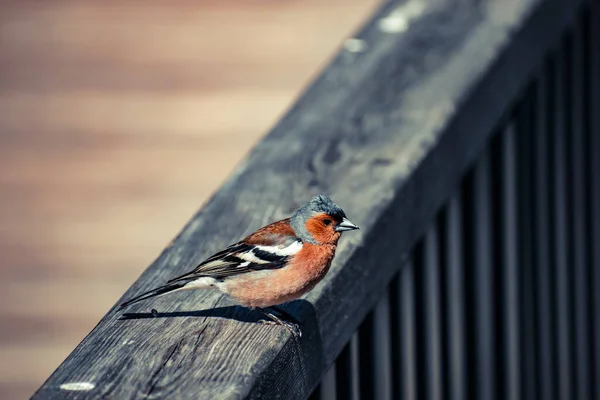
(117, 121)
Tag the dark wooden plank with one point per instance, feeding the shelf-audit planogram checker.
(542, 246)
(510, 269)
(382, 347)
(346, 366)
(485, 292)
(454, 304)
(347, 374)
(560, 134)
(413, 109)
(593, 133)
(432, 317)
(526, 282)
(366, 361)
(579, 241)
(327, 389)
(407, 341)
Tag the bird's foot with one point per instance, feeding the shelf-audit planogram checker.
(274, 320)
(293, 328)
(290, 326)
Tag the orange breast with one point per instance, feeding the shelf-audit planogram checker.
(272, 287)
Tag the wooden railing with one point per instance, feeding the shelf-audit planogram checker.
(462, 137)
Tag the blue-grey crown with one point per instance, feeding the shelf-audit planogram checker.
(317, 205)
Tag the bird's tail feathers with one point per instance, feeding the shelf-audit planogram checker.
(171, 287)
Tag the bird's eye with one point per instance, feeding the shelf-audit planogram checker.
(327, 221)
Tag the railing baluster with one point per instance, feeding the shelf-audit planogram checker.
(526, 273)
(544, 272)
(578, 215)
(432, 316)
(484, 288)
(366, 341)
(367, 356)
(593, 69)
(407, 333)
(455, 299)
(560, 242)
(355, 366)
(549, 211)
(382, 349)
(347, 371)
(328, 384)
(510, 274)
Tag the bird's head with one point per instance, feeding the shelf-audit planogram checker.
(320, 221)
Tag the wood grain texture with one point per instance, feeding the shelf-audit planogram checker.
(387, 132)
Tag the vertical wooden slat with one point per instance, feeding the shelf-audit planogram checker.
(526, 280)
(526, 241)
(432, 317)
(382, 349)
(347, 371)
(355, 367)
(366, 357)
(593, 68)
(328, 385)
(556, 287)
(407, 333)
(560, 241)
(484, 288)
(509, 271)
(578, 215)
(544, 271)
(455, 299)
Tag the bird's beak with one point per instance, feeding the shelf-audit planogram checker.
(345, 225)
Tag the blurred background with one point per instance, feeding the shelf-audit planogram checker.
(117, 121)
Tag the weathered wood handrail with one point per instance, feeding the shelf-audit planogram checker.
(387, 131)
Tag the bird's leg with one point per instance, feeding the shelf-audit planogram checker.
(292, 327)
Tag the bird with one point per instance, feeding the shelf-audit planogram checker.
(276, 264)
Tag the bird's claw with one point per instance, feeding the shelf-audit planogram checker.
(293, 328)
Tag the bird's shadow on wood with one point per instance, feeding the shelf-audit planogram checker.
(234, 312)
(303, 354)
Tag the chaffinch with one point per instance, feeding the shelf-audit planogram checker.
(276, 264)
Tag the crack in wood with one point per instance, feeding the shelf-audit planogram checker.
(155, 378)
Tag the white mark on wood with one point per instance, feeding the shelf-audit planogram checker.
(127, 342)
(77, 386)
(354, 45)
(399, 19)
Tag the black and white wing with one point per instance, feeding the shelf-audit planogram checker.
(245, 257)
